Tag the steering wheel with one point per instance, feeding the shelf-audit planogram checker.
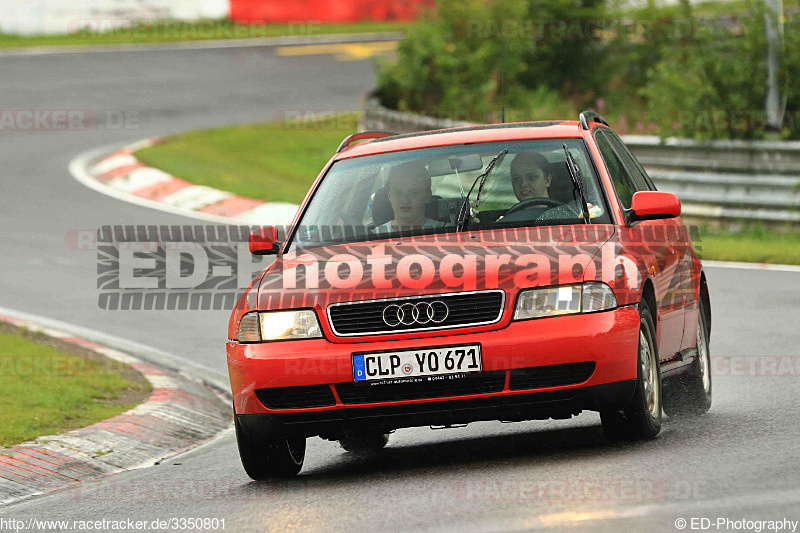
(531, 202)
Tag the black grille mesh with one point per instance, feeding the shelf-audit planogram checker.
(296, 397)
(464, 309)
(540, 377)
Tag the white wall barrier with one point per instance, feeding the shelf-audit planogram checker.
(39, 17)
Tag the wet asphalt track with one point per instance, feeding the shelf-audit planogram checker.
(739, 461)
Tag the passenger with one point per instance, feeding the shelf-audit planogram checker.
(409, 188)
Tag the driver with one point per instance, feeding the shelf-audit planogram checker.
(529, 176)
(409, 188)
(530, 180)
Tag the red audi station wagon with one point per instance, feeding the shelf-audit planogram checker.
(504, 272)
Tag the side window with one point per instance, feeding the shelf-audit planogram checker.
(642, 180)
(623, 183)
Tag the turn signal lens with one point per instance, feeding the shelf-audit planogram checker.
(597, 297)
(249, 329)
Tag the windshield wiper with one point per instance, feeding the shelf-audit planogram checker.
(463, 215)
(577, 181)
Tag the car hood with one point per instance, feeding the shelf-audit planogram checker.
(507, 259)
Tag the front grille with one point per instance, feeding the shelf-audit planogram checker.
(463, 309)
(296, 397)
(540, 377)
(365, 393)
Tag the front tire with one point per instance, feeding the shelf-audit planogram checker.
(282, 459)
(690, 395)
(641, 419)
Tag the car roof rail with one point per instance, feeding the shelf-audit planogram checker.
(588, 116)
(361, 136)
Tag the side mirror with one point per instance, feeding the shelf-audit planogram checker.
(653, 205)
(264, 241)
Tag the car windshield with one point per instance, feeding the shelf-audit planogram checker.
(422, 192)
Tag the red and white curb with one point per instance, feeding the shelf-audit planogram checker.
(121, 175)
(180, 414)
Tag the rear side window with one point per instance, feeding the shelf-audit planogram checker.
(642, 181)
(623, 183)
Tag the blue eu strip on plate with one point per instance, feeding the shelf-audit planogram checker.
(358, 368)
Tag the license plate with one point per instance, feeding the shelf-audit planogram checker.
(417, 365)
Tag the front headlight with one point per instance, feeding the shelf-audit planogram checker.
(564, 300)
(279, 326)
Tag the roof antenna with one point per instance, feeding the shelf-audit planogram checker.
(502, 80)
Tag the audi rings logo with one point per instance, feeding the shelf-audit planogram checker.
(420, 313)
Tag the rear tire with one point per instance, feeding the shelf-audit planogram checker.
(690, 395)
(641, 419)
(364, 441)
(282, 459)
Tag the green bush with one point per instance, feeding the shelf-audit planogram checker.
(790, 77)
(449, 64)
(446, 68)
(712, 84)
(631, 51)
(661, 69)
(567, 55)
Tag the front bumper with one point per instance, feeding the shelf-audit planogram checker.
(609, 339)
(332, 423)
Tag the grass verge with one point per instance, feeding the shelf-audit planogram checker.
(176, 31)
(278, 161)
(754, 245)
(50, 386)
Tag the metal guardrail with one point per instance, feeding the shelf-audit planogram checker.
(726, 180)
(720, 180)
(760, 157)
